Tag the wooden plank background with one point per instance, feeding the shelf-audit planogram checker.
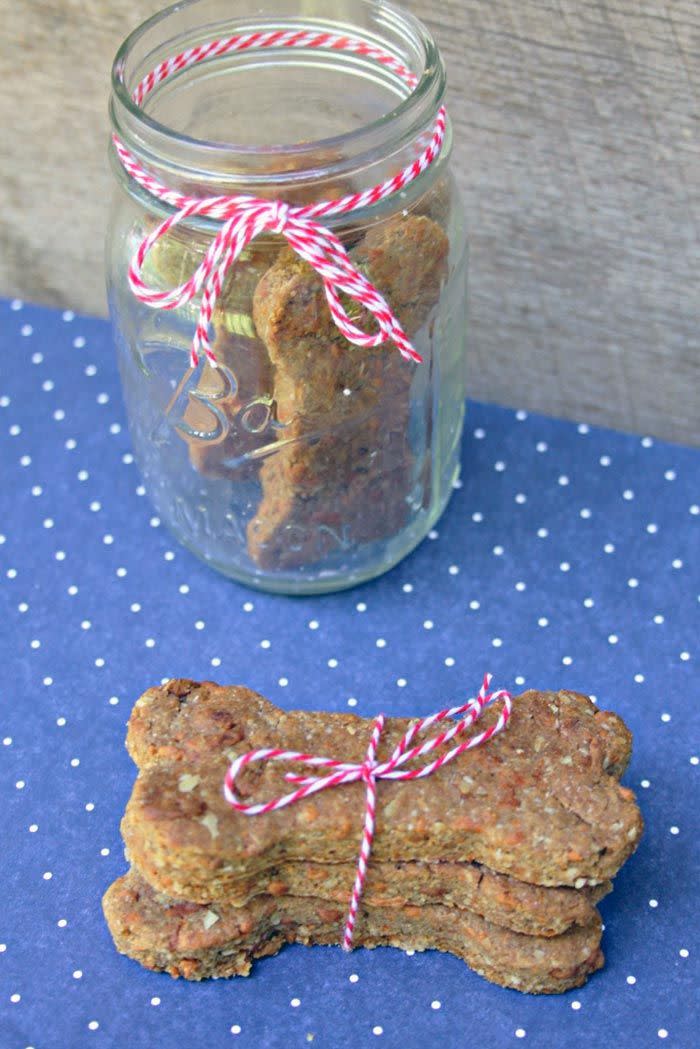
(578, 155)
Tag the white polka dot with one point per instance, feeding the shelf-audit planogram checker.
(37, 358)
(149, 642)
(665, 717)
(313, 624)
(20, 784)
(585, 513)
(283, 682)
(248, 606)
(14, 998)
(407, 588)
(33, 828)
(499, 466)
(70, 444)
(645, 783)
(563, 480)
(86, 624)
(609, 548)
(436, 1004)
(108, 539)
(694, 760)
(380, 642)
(47, 875)
(59, 415)
(47, 386)
(93, 1025)
(155, 1001)
(520, 680)
(99, 662)
(541, 446)
(353, 977)
(477, 517)
(332, 663)
(121, 572)
(16, 304)
(653, 903)
(401, 682)
(628, 494)
(498, 551)
(60, 555)
(662, 1032)
(61, 923)
(652, 529)
(676, 563)
(520, 1032)
(588, 602)
(60, 722)
(564, 566)
(11, 573)
(95, 506)
(479, 433)
(377, 1030)
(694, 509)
(543, 621)
(567, 661)
(521, 415)
(520, 498)
(236, 1029)
(155, 522)
(35, 643)
(15, 430)
(449, 662)
(115, 428)
(613, 639)
(352, 702)
(639, 678)
(90, 806)
(496, 642)
(68, 315)
(104, 852)
(576, 1006)
(433, 533)
(674, 830)
(26, 330)
(428, 624)
(633, 583)
(77, 975)
(127, 458)
(295, 1003)
(474, 605)
(140, 489)
(542, 533)
(75, 762)
(646, 442)
(453, 569)
(361, 606)
(631, 980)
(5, 401)
(685, 656)
(683, 952)
(216, 662)
(113, 701)
(102, 398)
(7, 741)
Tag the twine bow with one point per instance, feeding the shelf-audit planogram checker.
(246, 217)
(370, 770)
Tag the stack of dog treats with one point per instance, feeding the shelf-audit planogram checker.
(498, 857)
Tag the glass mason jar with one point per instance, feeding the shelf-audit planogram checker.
(302, 463)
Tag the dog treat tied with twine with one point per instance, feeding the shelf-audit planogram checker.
(287, 285)
(371, 770)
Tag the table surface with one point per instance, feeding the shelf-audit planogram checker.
(568, 557)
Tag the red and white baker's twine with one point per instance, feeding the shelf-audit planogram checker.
(370, 770)
(244, 218)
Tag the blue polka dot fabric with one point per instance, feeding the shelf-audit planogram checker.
(568, 557)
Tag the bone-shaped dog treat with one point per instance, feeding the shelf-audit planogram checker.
(344, 469)
(540, 802)
(531, 909)
(198, 941)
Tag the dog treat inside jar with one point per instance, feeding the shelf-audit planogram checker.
(287, 284)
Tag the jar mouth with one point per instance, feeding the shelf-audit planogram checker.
(195, 22)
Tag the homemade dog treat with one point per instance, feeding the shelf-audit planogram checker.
(345, 461)
(531, 909)
(199, 941)
(540, 802)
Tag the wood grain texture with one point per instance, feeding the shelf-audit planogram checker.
(578, 153)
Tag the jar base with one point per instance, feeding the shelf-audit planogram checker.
(334, 584)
